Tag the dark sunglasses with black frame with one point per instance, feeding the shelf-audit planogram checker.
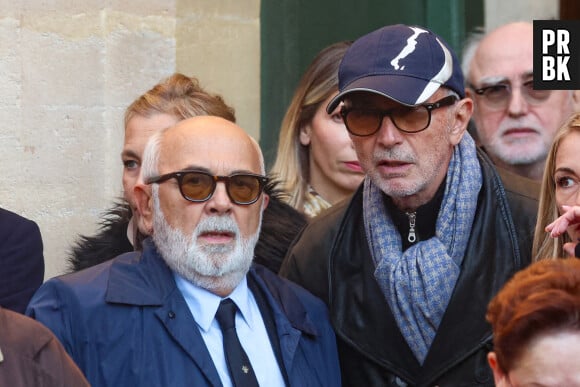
(362, 122)
(199, 186)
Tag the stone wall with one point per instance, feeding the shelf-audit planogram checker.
(69, 68)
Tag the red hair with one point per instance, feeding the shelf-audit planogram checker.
(539, 300)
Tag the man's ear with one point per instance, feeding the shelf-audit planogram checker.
(265, 201)
(469, 93)
(144, 203)
(462, 113)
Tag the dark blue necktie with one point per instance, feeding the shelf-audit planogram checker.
(239, 365)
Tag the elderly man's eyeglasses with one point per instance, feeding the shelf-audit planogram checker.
(498, 96)
(199, 186)
(360, 121)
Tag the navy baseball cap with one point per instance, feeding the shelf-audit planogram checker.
(404, 63)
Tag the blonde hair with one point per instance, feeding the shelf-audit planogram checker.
(181, 97)
(317, 84)
(545, 246)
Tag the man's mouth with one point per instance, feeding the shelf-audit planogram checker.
(217, 236)
(520, 132)
(393, 167)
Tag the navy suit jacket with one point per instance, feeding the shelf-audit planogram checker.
(21, 260)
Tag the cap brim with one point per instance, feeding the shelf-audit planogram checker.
(400, 88)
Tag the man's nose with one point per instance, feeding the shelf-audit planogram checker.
(219, 202)
(518, 105)
(388, 134)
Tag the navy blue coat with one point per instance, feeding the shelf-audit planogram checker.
(125, 323)
(21, 260)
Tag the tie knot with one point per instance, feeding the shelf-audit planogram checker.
(226, 314)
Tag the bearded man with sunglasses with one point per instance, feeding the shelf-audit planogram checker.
(191, 309)
(408, 265)
(514, 123)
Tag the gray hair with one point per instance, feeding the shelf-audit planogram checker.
(149, 166)
(260, 155)
(469, 49)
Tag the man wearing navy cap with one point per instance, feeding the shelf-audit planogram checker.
(408, 266)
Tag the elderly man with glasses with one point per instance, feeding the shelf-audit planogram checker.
(408, 265)
(191, 309)
(514, 123)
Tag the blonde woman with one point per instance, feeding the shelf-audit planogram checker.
(316, 160)
(557, 232)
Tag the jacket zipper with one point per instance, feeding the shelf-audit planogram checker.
(412, 218)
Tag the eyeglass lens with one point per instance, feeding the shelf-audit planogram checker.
(499, 96)
(242, 189)
(365, 122)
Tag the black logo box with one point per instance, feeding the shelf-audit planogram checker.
(573, 28)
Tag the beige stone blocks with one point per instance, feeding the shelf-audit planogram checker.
(218, 42)
(68, 69)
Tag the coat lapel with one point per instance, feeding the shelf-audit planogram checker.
(174, 314)
(358, 306)
(290, 316)
(144, 279)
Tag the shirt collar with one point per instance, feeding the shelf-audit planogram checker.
(203, 304)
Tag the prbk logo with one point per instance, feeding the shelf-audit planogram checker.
(557, 54)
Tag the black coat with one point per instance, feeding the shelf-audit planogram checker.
(280, 224)
(332, 260)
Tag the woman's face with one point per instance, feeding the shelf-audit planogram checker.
(567, 177)
(550, 360)
(334, 168)
(138, 131)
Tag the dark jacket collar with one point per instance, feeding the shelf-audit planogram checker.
(140, 278)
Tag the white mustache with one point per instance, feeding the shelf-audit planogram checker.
(217, 224)
(511, 124)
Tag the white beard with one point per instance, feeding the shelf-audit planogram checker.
(209, 266)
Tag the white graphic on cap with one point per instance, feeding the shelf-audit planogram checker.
(440, 78)
(409, 48)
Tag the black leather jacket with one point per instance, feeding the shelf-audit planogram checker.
(331, 258)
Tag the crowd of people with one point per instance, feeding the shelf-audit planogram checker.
(417, 228)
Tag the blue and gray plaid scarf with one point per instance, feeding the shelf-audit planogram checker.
(418, 283)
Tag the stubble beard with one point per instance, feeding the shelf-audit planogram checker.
(407, 185)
